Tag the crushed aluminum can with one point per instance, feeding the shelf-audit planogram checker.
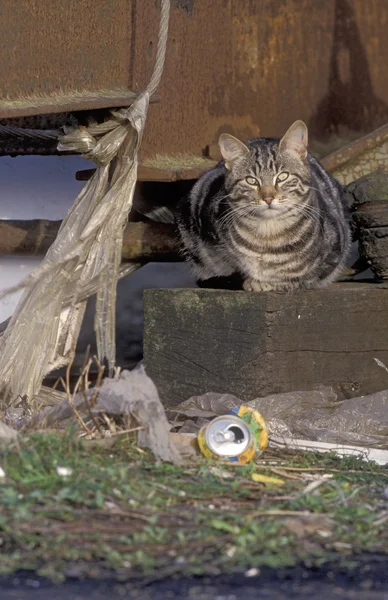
(237, 436)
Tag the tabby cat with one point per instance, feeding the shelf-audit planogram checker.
(268, 212)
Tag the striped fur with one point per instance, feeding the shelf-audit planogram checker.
(300, 240)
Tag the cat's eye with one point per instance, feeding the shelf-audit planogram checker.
(282, 177)
(252, 180)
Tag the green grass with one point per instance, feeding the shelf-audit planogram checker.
(119, 510)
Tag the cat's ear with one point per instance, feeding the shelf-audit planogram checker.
(232, 149)
(295, 140)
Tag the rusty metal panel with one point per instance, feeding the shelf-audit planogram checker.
(246, 66)
(51, 48)
(243, 66)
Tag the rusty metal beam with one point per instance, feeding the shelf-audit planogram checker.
(143, 242)
(248, 83)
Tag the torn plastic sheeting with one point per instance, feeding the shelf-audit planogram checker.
(313, 415)
(211, 402)
(7, 434)
(43, 331)
(317, 415)
(134, 393)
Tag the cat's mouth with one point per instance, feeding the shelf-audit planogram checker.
(270, 210)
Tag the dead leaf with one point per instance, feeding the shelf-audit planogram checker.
(311, 525)
(185, 443)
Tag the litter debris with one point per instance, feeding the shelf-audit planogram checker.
(210, 404)
(238, 436)
(229, 438)
(185, 443)
(267, 480)
(64, 471)
(315, 415)
(221, 425)
(313, 420)
(132, 393)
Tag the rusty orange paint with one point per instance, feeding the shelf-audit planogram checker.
(241, 66)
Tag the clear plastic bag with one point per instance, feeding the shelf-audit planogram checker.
(84, 259)
(311, 415)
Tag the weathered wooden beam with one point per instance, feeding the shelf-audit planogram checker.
(168, 175)
(253, 344)
(359, 158)
(354, 149)
(143, 242)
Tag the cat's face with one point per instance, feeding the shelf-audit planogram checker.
(271, 178)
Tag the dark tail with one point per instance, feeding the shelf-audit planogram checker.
(159, 201)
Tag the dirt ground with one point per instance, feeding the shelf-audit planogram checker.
(367, 581)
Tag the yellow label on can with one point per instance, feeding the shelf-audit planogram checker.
(256, 424)
(257, 443)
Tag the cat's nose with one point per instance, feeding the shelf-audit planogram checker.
(268, 199)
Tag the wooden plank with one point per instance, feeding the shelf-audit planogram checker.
(253, 344)
(143, 242)
(354, 149)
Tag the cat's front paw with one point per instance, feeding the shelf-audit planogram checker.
(251, 285)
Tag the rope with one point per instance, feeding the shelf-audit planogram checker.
(39, 134)
(161, 48)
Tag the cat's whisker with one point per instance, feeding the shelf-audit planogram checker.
(308, 207)
(312, 210)
(310, 213)
(234, 213)
(224, 197)
(232, 220)
(306, 210)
